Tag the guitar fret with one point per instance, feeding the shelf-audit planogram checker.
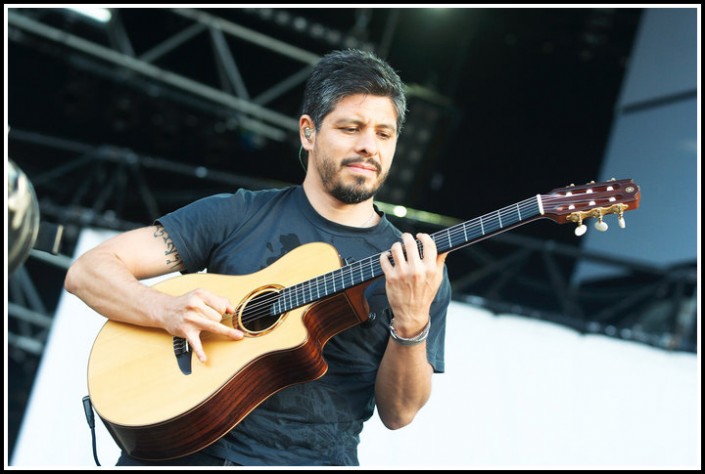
(518, 210)
(515, 210)
(499, 216)
(481, 229)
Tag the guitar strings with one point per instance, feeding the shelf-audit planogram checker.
(303, 291)
(298, 292)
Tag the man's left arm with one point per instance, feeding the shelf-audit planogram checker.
(403, 383)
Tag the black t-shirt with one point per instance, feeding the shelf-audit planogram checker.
(317, 422)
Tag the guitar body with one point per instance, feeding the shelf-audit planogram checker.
(154, 410)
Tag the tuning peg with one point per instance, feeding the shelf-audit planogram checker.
(601, 225)
(581, 229)
(620, 220)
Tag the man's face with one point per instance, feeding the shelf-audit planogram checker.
(355, 146)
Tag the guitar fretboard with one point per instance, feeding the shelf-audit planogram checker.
(370, 268)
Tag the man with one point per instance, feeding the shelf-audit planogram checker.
(354, 109)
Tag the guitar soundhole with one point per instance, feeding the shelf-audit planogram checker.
(255, 313)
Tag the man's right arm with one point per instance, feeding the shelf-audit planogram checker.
(107, 278)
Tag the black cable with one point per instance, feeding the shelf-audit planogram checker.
(301, 160)
(88, 409)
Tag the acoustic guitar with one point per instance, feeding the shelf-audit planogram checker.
(159, 402)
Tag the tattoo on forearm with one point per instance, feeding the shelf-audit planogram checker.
(173, 259)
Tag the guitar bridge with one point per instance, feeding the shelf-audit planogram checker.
(182, 351)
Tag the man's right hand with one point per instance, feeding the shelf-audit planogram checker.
(197, 311)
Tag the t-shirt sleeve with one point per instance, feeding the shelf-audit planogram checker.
(198, 228)
(435, 344)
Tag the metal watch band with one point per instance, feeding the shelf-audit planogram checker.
(411, 341)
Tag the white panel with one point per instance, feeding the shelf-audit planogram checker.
(665, 61)
(525, 393)
(657, 146)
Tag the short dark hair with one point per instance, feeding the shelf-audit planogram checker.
(343, 73)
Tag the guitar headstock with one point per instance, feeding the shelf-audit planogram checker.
(577, 203)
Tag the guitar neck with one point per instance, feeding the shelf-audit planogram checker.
(491, 224)
(370, 268)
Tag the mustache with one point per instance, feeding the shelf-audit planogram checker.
(369, 161)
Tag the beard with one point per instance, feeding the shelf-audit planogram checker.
(349, 193)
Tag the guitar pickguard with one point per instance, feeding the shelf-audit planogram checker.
(183, 354)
